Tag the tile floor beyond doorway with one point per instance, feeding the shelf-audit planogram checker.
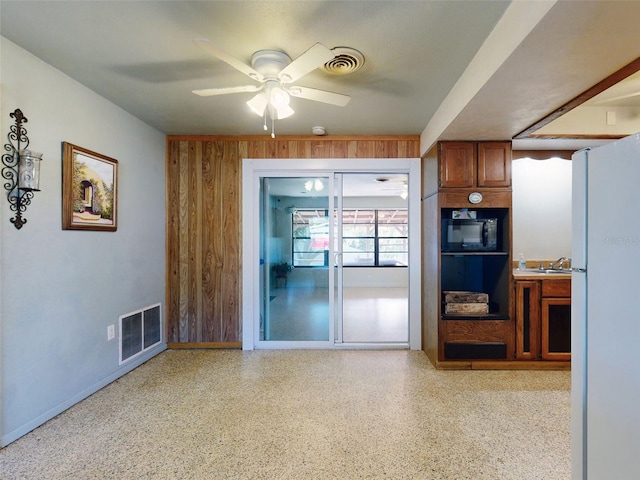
(305, 414)
(371, 315)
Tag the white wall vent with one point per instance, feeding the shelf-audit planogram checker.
(139, 331)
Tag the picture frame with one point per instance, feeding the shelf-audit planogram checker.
(89, 190)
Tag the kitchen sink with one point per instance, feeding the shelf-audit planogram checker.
(566, 271)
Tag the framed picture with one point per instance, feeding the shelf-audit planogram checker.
(89, 190)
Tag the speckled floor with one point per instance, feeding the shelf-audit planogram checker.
(305, 414)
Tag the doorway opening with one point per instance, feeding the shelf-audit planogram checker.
(331, 254)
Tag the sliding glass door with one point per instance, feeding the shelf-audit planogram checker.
(294, 228)
(328, 259)
(372, 258)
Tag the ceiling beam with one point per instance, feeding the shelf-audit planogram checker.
(519, 19)
(600, 87)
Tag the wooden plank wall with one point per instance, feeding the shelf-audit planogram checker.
(204, 223)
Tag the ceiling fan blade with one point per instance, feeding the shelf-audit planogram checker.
(313, 58)
(319, 95)
(225, 57)
(207, 92)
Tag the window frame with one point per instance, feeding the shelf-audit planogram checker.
(376, 237)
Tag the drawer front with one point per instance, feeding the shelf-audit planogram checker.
(460, 198)
(556, 288)
(475, 330)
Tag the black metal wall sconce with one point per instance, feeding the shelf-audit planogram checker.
(21, 169)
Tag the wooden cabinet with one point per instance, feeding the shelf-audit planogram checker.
(457, 164)
(475, 164)
(527, 318)
(556, 320)
(452, 173)
(543, 319)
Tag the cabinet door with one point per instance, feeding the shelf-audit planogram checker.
(556, 328)
(527, 320)
(494, 164)
(457, 164)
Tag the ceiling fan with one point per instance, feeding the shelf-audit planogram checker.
(396, 184)
(275, 73)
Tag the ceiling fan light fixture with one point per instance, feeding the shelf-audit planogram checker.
(258, 104)
(278, 97)
(283, 111)
(316, 185)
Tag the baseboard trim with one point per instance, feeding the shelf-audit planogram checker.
(502, 365)
(58, 409)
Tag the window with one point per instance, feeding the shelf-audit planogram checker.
(310, 238)
(370, 237)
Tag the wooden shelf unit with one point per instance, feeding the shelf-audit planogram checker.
(450, 340)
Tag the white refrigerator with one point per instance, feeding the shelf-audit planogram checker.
(605, 312)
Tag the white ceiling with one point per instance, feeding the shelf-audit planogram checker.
(419, 77)
(353, 185)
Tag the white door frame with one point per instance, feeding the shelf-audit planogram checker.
(253, 169)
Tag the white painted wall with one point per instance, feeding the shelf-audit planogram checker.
(376, 277)
(541, 208)
(353, 277)
(60, 289)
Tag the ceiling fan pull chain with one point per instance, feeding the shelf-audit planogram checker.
(273, 128)
(265, 121)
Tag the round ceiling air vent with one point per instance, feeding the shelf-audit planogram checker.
(347, 60)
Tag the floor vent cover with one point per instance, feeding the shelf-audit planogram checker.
(139, 331)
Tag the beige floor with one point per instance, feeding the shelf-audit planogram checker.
(305, 414)
(376, 315)
(370, 315)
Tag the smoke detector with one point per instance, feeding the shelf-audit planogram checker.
(318, 130)
(347, 60)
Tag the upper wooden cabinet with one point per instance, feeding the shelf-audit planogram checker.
(457, 164)
(475, 164)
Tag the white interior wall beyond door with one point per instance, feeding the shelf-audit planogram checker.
(255, 169)
(541, 208)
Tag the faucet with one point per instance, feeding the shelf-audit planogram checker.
(557, 265)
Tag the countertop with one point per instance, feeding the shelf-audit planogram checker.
(530, 275)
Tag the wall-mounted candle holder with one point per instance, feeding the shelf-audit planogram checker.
(21, 169)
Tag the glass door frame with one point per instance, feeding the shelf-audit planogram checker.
(264, 251)
(255, 169)
(351, 306)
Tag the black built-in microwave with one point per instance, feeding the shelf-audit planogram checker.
(469, 235)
